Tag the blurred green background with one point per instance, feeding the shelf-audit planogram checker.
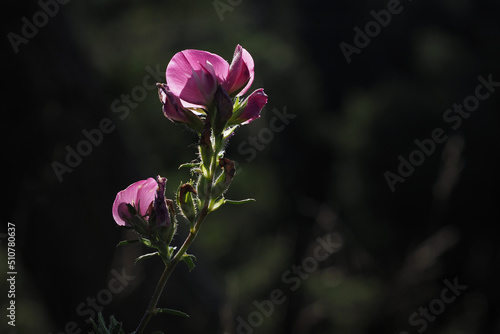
(321, 176)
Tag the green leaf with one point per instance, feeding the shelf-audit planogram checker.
(100, 326)
(115, 326)
(189, 165)
(146, 256)
(127, 242)
(113, 321)
(242, 201)
(102, 323)
(171, 311)
(189, 260)
(95, 328)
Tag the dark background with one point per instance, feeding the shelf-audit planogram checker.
(321, 177)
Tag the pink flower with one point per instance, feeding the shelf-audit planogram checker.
(193, 75)
(197, 79)
(135, 200)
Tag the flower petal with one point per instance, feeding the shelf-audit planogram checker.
(171, 104)
(124, 213)
(176, 111)
(241, 72)
(145, 195)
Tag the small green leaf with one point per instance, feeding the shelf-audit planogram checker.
(146, 256)
(100, 326)
(242, 201)
(127, 242)
(102, 323)
(189, 165)
(113, 322)
(171, 311)
(115, 326)
(95, 328)
(189, 260)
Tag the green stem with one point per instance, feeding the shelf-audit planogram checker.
(150, 311)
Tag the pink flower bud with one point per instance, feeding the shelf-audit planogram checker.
(250, 108)
(241, 73)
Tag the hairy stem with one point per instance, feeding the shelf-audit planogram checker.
(150, 311)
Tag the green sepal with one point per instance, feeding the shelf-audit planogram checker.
(165, 234)
(195, 122)
(238, 108)
(189, 260)
(224, 180)
(172, 312)
(206, 150)
(202, 188)
(146, 256)
(220, 186)
(223, 111)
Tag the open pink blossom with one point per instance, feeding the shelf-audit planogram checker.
(193, 75)
(139, 195)
(199, 82)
